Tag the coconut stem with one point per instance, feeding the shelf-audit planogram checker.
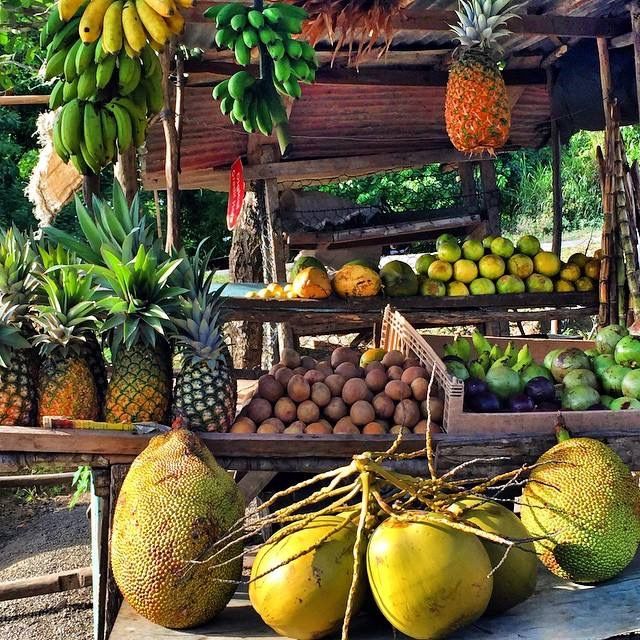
(358, 552)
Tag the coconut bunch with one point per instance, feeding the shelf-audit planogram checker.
(363, 25)
(350, 512)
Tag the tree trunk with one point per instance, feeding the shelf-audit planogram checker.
(245, 265)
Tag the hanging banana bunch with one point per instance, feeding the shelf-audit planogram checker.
(288, 62)
(104, 54)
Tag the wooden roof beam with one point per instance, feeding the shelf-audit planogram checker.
(439, 20)
(301, 171)
(369, 76)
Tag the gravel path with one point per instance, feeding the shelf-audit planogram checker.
(36, 540)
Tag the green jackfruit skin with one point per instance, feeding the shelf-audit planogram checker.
(175, 503)
(585, 500)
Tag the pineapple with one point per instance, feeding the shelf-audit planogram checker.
(90, 348)
(139, 309)
(18, 265)
(477, 111)
(65, 321)
(17, 382)
(131, 265)
(205, 393)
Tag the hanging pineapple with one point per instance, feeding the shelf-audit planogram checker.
(477, 111)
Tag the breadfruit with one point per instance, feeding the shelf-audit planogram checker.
(585, 500)
(175, 503)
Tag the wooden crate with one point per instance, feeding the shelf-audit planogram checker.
(397, 333)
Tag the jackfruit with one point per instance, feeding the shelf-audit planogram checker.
(583, 498)
(175, 503)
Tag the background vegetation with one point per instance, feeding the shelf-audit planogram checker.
(524, 177)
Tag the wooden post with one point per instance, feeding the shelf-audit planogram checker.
(172, 155)
(245, 265)
(125, 172)
(491, 196)
(468, 185)
(634, 9)
(99, 547)
(605, 80)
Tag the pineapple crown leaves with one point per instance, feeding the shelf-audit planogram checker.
(120, 227)
(68, 316)
(18, 264)
(482, 22)
(198, 327)
(10, 337)
(198, 334)
(140, 300)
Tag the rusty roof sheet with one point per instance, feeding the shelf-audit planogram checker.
(344, 120)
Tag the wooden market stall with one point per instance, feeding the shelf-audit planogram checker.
(385, 116)
(388, 115)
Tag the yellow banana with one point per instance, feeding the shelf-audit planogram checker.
(129, 51)
(134, 34)
(175, 23)
(153, 22)
(186, 4)
(156, 46)
(68, 8)
(164, 8)
(91, 21)
(112, 28)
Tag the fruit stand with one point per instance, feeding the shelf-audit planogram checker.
(312, 142)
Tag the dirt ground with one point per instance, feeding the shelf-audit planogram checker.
(40, 535)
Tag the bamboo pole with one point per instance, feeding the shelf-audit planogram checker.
(604, 316)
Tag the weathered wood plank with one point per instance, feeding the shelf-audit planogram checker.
(368, 76)
(430, 19)
(42, 585)
(558, 610)
(36, 480)
(451, 450)
(378, 234)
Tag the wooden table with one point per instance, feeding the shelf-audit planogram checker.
(558, 610)
(334, 315)
(109, 454)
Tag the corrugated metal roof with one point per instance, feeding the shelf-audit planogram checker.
(344, 120)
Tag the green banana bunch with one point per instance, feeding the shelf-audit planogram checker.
(476, 370)
(495, 353)
(510, 353)
(480, 343)
(523, 359)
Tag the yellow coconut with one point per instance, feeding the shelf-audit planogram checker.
(371, 355)
(307, 597)
(427, 578)
(515, 579)
(312, 283)
(355, 280)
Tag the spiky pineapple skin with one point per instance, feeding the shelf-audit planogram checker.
(66, 387)
(18, 400)
(477, 112)
(140, 387)
(206, 399)
(92, 353)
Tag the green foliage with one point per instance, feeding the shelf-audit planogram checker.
(525, 184)
(82, 483)
(406, 190)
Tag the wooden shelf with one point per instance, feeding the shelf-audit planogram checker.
(334, 315)
(305, 453)
(558, 610)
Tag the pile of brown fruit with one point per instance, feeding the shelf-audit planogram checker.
(301, 395)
